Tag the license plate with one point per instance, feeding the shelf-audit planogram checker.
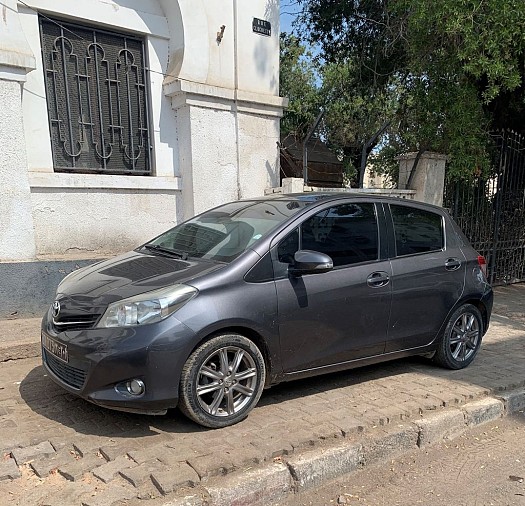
(57, 349)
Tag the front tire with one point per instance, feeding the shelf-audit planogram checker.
(222, 381)
(461, 340)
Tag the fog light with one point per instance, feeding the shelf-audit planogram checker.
(135, 387)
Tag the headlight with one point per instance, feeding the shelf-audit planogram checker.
(147, 307)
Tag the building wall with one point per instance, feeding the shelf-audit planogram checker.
(16, 237)
(214, 118)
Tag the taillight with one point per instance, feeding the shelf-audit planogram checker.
(482, 264)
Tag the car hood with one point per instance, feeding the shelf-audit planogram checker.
(131, 274)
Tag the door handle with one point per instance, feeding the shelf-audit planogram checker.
(452, 264)
(378, 279)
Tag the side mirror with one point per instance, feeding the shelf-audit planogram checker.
(310, 262)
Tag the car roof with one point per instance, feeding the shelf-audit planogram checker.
(314, 197)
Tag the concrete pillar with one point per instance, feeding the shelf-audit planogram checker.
(17, 238)
(293, 185)
(428, 180)
(227, 143)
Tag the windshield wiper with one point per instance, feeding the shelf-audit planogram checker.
(170, 252)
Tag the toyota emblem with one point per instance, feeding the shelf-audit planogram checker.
(56, 308)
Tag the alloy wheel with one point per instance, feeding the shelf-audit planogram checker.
(465, 336)
(226, 381)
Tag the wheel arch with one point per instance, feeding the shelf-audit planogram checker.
(479, 304)
(250, 334)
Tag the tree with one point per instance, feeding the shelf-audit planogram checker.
(297, 82)
(356, 115)
(352, 113)
(451, 70)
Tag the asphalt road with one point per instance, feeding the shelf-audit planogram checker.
(485, 467)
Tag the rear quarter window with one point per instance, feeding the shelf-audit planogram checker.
(417, 230)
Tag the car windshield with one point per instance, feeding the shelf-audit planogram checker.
(222, 234)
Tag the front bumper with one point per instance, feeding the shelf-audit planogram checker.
(101, 361)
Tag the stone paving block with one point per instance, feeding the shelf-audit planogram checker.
(214, 464)
(74, 471)
(301, 439)
(68, 495)
(317, 409)
(246, 455)
(382, 444)
(467, 394)
(197, 446)
(372, 418)
(393, 414)
(146, 454)
(326, 430)
(439, 426)
(87, 447)
(171, 456)
(175, 477)
(44, 465)
(24, 455)
(514, 401)
(114, 495)
(58, 443)
(257, 487)
(348, 424)
(108, 471)
(447, 399)
(311, 469)
(9, 470)
(483, 411)
(140, 474)
(271, 448)
(112, 451)
(8, 447)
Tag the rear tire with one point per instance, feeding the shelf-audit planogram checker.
(222, 381)
(461, 340)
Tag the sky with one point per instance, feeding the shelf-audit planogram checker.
(288, 8)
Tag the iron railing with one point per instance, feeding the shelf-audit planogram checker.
(491, 211)
(97, 99)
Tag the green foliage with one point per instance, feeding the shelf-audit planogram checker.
(444, 73)
(297, 82)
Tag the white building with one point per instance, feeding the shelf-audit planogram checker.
(120, 118)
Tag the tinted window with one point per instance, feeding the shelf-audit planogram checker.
(416, 230)
(348, 233)
(287, 247)
(225, 232)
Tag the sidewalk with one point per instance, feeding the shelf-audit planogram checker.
(61, 450)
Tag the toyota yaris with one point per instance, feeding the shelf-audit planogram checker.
(261, 291)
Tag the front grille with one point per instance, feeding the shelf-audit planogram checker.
(75, 322)
(70, 375)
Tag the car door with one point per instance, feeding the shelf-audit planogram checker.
(340, 315)
(428, 275)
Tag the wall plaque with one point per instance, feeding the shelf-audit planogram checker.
(262, 27)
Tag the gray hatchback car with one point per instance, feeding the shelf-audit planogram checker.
(261, 291)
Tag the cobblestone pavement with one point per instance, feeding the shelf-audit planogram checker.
(58, 449)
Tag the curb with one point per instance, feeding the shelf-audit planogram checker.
(288, 476)
(20, 351)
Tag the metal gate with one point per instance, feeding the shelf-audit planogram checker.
(491, 211)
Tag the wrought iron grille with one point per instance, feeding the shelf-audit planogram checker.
(97, 99)
(491, 211)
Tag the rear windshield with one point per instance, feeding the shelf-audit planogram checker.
(222, 234)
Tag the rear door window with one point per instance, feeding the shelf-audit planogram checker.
(417, 230)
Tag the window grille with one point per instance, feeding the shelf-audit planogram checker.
(97, 99)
